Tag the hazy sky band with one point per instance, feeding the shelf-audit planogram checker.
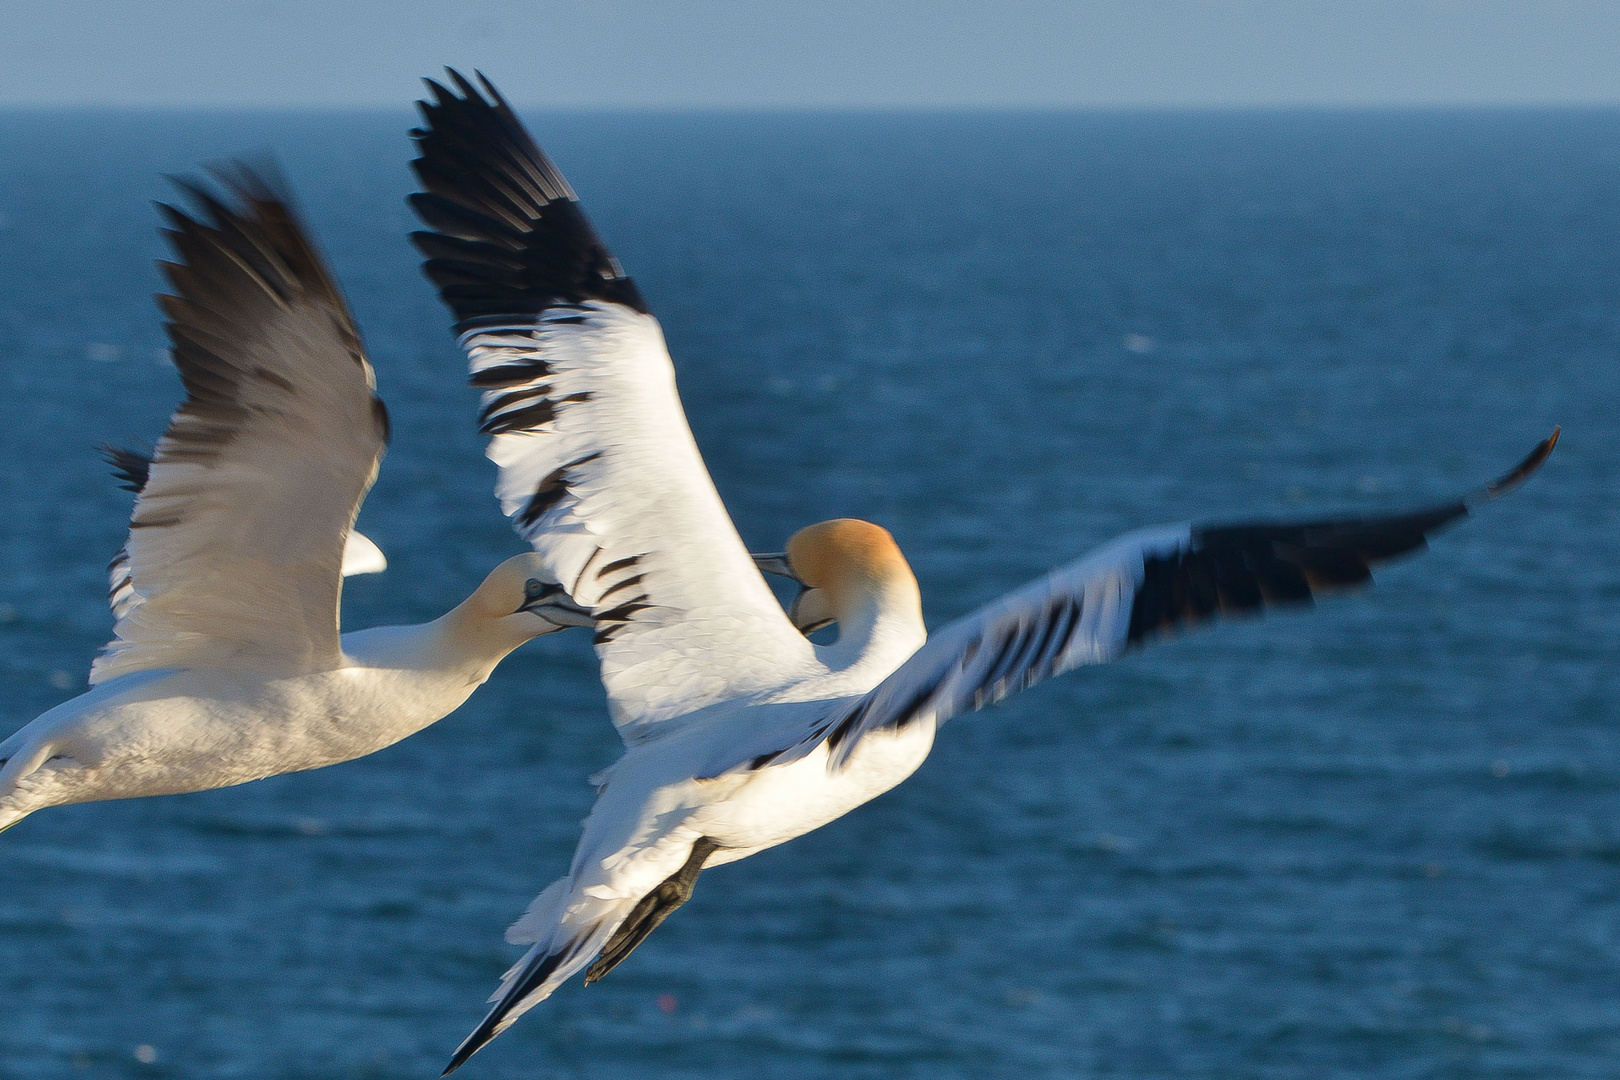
(833, 53)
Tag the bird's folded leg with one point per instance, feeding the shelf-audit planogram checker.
(653, 909)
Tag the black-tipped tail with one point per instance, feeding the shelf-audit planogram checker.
(499, 1018)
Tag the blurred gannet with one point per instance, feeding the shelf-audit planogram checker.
(227, 665)
(740, 733)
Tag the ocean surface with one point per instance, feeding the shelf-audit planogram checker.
(1376, 839)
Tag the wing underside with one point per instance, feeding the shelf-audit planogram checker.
(237, 537)
(1142, 586)
(598, 469)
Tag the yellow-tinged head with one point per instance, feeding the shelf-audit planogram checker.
(502, 592)
(848, 566)
(516, 602)
(520, 586)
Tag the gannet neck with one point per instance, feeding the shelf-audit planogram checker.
(856, 575)
(880, 632)
(480, 631)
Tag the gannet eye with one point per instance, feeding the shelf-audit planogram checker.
(533, 588)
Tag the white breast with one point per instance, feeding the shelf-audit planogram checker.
(158, 733)
(781, 802)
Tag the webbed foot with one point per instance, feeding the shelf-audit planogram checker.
(653, 909)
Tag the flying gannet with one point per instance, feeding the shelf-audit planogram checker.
(740, 733)
(226, 664)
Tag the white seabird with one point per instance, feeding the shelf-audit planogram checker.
(740, 733)
(226, 664)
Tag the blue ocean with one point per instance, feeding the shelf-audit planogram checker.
(1380, 838)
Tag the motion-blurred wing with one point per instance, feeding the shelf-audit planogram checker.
(598, 469)
(240, 525)
(1137, 588)
(132, 467)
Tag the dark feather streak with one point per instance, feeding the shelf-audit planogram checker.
(551, 490)
(617, 565)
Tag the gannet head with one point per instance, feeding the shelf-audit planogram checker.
(520, 594)
(849, 568)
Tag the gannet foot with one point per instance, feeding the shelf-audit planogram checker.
(653, 909)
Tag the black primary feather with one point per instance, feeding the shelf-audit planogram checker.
(509, 238)
(1231, 569)
(214, 300)
(130, 467)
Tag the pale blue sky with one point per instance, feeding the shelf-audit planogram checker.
(817, 53)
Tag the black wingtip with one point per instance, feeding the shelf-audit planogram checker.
(1525, 469)
(443, 95)
(249, 216)
(489, 88)
(514, 240)
(258, 186)
(467, 89)
(436, 91)
(256, 179)
(182, 182)
(132, 468)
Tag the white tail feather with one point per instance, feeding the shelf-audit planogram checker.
(578, 937)
(542, 916)
(361, 556)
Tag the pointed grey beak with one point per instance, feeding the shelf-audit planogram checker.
(551, 603)
(776, 563)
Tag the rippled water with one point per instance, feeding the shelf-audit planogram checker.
(1379, 839)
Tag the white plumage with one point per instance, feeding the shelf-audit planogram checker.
(742, 734)
(613, 525)
(226, 663)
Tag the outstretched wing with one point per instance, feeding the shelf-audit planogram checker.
(1139, 587)
(598, 469)
(132, 467)
(237, 539)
